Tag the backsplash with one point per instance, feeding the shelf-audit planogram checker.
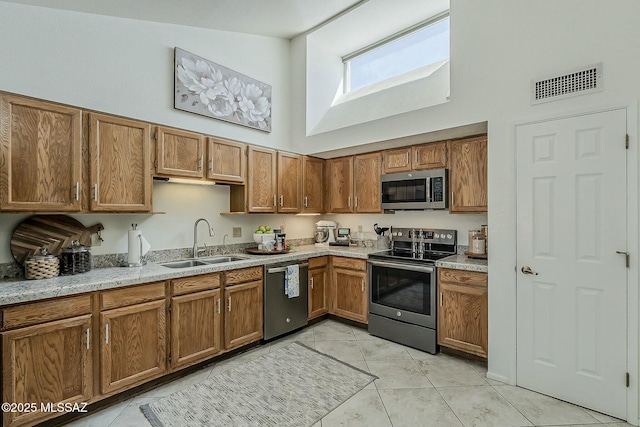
(11, 270)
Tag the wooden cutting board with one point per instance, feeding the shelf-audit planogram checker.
(52, 232)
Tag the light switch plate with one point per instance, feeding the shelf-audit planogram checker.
(237, 231)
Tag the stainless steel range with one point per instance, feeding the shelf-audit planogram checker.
(402, 286)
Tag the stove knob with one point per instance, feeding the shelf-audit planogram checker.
(449, 236)
(399, 234)
(288, 320)
(436, 236)
(399, 313)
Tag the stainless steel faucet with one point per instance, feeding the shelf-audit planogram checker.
(195, 235)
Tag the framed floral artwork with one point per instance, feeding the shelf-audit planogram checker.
(209, 89)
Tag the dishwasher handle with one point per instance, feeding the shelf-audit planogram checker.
(284, 269)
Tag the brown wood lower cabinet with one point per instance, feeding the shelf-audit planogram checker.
(243, 314)
(318, 287)
(349, 289)
(462, 311)
(46, 363)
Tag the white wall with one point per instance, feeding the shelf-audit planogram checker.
(125, 67)
(497, 47)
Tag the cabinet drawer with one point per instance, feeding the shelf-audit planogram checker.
(462, 277)
(187, 285)
(318, 262)
(350, 263)
(132, 295)
(45, 311)
(243, 275)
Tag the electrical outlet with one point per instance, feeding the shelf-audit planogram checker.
(359, 229)
(237, 231)
(95, 240)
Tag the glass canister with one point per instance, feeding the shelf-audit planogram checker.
(478, 245)
(75, 259)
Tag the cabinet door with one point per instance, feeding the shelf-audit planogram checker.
(196, 332)
(318, 287)
(462, 318)
(227, 161)
(289, 183)
(430, 156)
(179, 153)
(47, 363)
(350, 294)
(468, 175)
(366, 171)
(396, 160)
(313, 185)
(262, 180)
(132, 346)
(243, 315)
(120, 164)
(340, 184)
(40, 156)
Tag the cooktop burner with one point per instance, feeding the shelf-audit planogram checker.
(426, 256)
(419, 245)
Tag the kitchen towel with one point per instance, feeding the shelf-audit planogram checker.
(292, 281)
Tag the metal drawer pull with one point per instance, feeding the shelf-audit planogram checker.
(527, 270)
(229, 303)
(106, 331)
(88, 337)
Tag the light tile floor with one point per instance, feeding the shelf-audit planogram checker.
(414, 389)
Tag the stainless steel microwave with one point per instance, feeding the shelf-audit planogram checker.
(416, 190)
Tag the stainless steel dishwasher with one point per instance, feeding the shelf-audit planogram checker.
(281, 313)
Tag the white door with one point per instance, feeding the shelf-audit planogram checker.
(572, 306)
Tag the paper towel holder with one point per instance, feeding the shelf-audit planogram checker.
(142, 260)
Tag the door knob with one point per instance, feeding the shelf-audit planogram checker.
(527, 270)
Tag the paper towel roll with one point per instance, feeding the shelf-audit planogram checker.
(138, 247)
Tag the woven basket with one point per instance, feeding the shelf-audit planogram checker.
(41, 268)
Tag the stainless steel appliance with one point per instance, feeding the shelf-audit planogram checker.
(325, 232)
(402, 286)
(417, 190)
(281, 313)
(343, 238)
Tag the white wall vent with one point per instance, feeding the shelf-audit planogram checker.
(579, 82)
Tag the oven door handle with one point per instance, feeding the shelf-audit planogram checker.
(402, 266)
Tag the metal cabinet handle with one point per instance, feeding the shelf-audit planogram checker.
(95, 192)
(200, 161)
(77, 191)
(362, 285)
(211, 164)
(453, 198)
(407, 157)
(311, 282)
(440, 299)
(88, 338)
(218, 305)
(416, 156)
(349, 201)
(306, 205)
(281, 200)
(356, 201)
(106, 332)
(274, 200)
(229, 307)
(527, 270)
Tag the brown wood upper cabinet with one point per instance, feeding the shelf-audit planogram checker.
(262, 180)
(468, 175)
(178, 153)
(120, 164)
(227, 161)
(40, 156)
(354, 183)
(289, 182)
(419, 157)
(313, 185)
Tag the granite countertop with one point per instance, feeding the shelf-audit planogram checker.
(462, 262)
(20, 290)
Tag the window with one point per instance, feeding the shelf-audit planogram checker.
(417, 47)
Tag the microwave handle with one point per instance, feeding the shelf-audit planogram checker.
(428, 189)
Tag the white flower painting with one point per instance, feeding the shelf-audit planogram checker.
(206, 88)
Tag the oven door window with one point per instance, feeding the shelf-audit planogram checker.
(401, 289)
(410, 190)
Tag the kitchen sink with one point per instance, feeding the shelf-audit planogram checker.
(185, 263)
